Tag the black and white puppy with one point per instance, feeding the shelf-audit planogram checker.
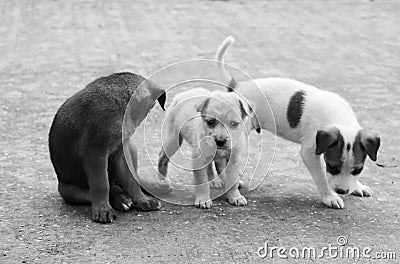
(87, 147)
(321, 121)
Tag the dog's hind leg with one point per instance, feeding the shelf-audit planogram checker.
(74, 194)
(170, 147)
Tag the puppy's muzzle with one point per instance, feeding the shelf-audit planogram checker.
(220, 142)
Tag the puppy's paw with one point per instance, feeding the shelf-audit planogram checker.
(120, 201)
(333, 200)
(203, 203)
(147, 204)
(217, 183)
(362, 190)
(238, 201)
(103, 213)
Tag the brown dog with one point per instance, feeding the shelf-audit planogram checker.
(87, 148)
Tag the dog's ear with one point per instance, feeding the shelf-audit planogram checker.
(371, 143)
(161, 99)
(202, 105)
(326, 138)
(246, 109)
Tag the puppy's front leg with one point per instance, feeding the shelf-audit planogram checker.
(202, 189)
(230, 176)
(127, 179)
(362, 190)
(95, 165)
(314, 165)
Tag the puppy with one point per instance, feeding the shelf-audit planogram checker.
(214, 125)
(86, 146)
(333, 144)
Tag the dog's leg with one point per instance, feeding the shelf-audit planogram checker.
(127, 179)
(73, 194)
(202, 189)
(119, 199)
(215, 182)
(231, 182)
(95, 165)
(362, 190)
(171, 146)
(314, 165)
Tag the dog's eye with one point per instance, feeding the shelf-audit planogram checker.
(356, 171)
(234, 124)
(210, 122)
(334, 170)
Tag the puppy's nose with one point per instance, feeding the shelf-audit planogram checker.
(220, 142)
(341, 191)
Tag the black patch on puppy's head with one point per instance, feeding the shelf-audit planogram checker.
(330, 142)
(295, 108)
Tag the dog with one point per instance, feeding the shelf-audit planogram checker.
(215, 126)
(87, 147)
(333, 144)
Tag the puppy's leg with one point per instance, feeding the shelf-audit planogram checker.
(314, 165)
(126, 179)
(73, 194)
(202, 189)
(362, 190)
(119, 199)
(95, 165)
(171, 146)
(215, 182)
(232, 184)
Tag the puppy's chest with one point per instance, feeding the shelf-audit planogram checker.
(223, 154)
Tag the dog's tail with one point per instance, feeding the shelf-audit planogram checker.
(226, 44)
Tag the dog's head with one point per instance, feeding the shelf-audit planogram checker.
(224, 117)
(345, 151)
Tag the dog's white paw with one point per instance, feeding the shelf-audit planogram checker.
(203, 203)
(217, 183)
(362, 190)
(333, 200)
(238, 201)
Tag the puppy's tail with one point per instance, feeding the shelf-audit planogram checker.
(226, 44)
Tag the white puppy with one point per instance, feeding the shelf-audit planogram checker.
(321, 121)
(214, 125)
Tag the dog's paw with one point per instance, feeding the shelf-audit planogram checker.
(362, 190)
(148, 204)
(333, 200)
(120, 201)
(217, 183)
(238, 201)
(103, 213)
(240, 184)
(203, 203)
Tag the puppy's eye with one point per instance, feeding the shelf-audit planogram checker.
(332, 169)
(210, 122)
(356, 171)
(234, 124)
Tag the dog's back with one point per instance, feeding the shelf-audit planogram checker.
(91, 118)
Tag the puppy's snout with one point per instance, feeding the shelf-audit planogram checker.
(341, 191)
(220, 142)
